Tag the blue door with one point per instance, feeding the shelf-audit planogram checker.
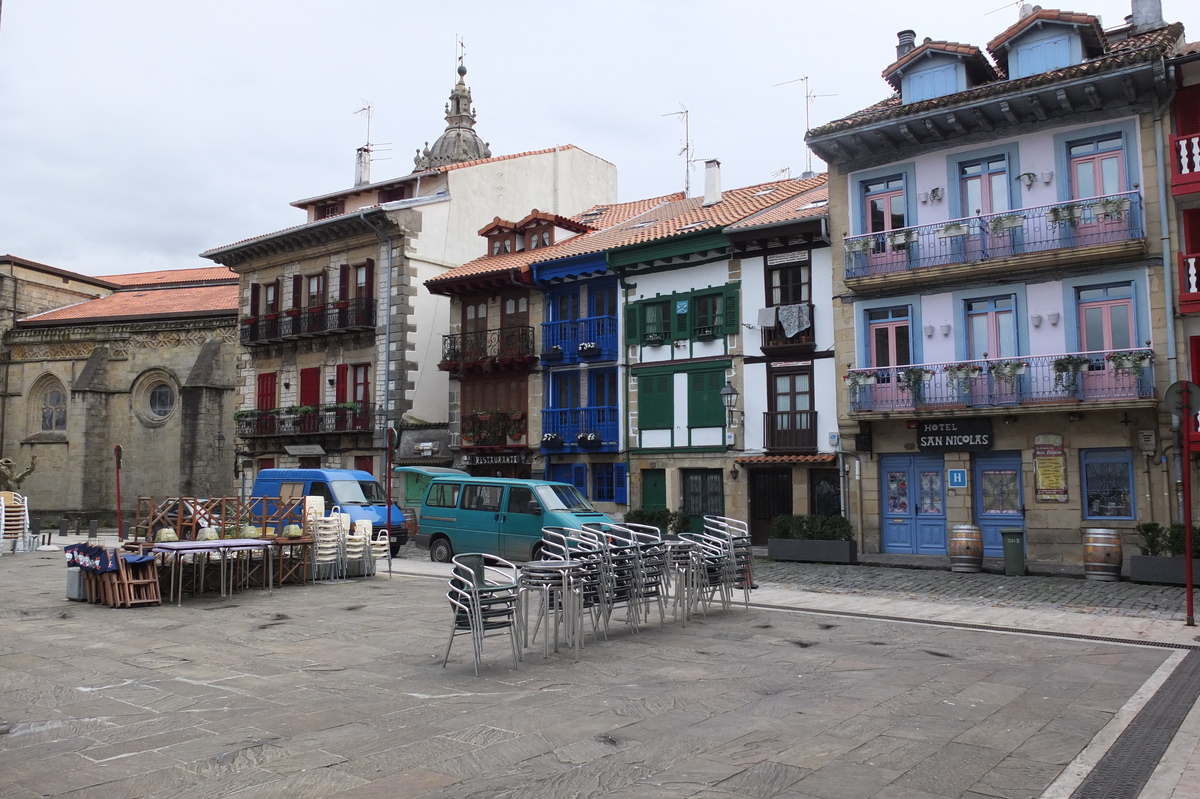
(999, 499)
(913, 511)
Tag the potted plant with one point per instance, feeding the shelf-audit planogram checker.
(589, 439)
(552, 440)
(553, 353)
(1007, 371)
(653, 340)
(588, 349)
(242, 415)
(816, 539)
(912, 379)
(1066, 214)
(516, 432)
(1066, 372)
(861, 244)
(1162, 558)
(1002, 224)
(861, 378)
(1126, 362)
(961, 374)
(959, 228)
(900, 238)
(1113, 209)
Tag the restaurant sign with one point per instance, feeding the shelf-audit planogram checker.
(954, 435)
(493, 460)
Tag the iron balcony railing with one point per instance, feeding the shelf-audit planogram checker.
(1075, 223)
(498, 345)
(776, 335)
(1102, 376)
(794, 431)
(300, 322)
(592, 338)
(580, 427)
(310, 420)
(493, 428)
(1185, 163)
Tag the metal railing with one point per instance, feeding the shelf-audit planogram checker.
(299, 322)
(493, 428)
(572, 340)
(501, 344)
(320, 419)
(1076, 223)
(795, 431)
(1101, 376)
(583, 427)
(775, 336)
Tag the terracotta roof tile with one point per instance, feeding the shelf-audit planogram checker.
(810, 204)
(1136, 49)
(661, 220)
(1190, 48)
(752, 460)
(204, 274)
(143, 303)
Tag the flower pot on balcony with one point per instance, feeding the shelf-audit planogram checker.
(589, 350)
(552, 441)
(292, 312)
(590, 439)
(858, 245)
(342, 304)
(553, 354)
(1003, 224)
(953, 229)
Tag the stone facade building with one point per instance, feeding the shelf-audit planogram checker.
(147, 364)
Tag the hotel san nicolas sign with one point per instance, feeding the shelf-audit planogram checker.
(954, 435)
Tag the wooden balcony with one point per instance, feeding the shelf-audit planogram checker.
(790, 431)
(1185, 164)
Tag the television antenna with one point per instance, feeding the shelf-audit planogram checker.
(368, 111)
(808, 99)
(688, 148)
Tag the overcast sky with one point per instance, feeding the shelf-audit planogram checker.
(135, 134)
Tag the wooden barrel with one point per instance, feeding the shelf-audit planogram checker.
(965, 548)
(1102, 554)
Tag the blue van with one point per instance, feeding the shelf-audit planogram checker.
(356, 493)
(497, 515)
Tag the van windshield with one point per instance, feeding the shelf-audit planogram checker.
(565, 498)
(357, 492)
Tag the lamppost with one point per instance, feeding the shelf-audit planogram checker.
(729, 396)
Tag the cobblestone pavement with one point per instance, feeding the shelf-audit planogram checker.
(1070, 594)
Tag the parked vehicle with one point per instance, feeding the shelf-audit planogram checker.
(353, 492)
(416, 480)
(497, 516)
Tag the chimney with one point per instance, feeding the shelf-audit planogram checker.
(1147, 15)
(362, 166)
(907, 43)
(712, 182)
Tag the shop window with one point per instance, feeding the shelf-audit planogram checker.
(1107, 478)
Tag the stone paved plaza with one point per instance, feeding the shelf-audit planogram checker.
(338, 690)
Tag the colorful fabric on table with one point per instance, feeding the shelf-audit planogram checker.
(91, 558)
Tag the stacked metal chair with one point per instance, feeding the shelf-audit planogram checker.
(14, 519)
(737, 533)
(483, 596)
(356, 551)
(652, 575)
(586, 587)
(714, 570)
(328, 539)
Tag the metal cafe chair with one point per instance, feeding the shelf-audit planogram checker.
(565, 544)
(737, 533)
(617, 567)
(483, 596)
(714, 569)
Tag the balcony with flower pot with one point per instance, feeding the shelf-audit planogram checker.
(317, 320)
(310, 420)
(497, 349)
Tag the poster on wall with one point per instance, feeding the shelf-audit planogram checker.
(1049, 468)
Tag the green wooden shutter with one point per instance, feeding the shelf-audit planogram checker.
(655, 402)
(632, 314)
(705, 408)
(731, 309)
(683, 324)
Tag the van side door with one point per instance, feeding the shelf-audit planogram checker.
(440, 510)
(479, 513)
(520, 523)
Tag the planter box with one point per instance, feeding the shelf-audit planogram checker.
(1153, 569)
(812, 551)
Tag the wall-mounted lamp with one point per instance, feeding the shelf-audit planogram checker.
(1035, 319)
(219, 442)
(945, 330)
(733, 473)
(928, 331)
(1074, 416)
(1053, 318)
(331, 382)
(729, 396)
(286, 384)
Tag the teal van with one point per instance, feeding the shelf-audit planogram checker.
(497, 515)
(356, 493)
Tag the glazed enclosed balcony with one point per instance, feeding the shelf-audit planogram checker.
(592, 338)
(594, 429)
(493, 429)
(1004, 244)
(1185, 163)
(790, 431)
(485, 350)
(321, 320)
(1120, 377)
(308, 420)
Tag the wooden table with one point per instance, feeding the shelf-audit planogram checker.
(295, 566)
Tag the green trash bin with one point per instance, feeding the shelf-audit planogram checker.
(1013, 539)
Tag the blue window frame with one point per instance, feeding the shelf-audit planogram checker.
(602, 388)
(573, 473)
(1107, 483)
(564, 389)
(1041, 55)
(602, 299)
(564, 305)
(926, 84)
(608, 483)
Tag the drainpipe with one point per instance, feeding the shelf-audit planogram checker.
(842, 454)
(625, 366)
(1168, 287)
(387, 334)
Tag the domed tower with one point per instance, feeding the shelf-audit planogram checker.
(459, 142)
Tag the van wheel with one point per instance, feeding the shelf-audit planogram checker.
(537, 552)
(395, 550)
(440, 551)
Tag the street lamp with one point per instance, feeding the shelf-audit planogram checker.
(729, 396)
(219, 443)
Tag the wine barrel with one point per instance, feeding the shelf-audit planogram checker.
(1102, 554)
(965, 548)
